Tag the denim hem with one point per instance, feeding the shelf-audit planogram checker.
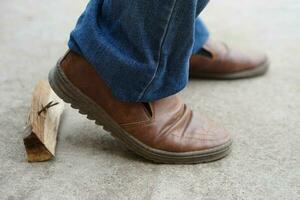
(160, 51)
(141, 49)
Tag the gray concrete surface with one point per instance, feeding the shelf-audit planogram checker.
(263, 113)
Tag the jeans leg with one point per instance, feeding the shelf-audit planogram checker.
(201, 35)
(140, 48)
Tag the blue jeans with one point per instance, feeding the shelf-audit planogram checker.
(140, 48)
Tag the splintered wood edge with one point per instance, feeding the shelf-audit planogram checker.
(35, 149)
(42, 129)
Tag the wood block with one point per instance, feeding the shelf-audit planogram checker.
(42, 123)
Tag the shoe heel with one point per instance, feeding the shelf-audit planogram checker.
(67, 92)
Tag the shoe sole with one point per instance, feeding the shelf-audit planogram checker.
(86, 106)
(258, 71)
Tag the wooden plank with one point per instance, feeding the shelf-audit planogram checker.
(42, 123)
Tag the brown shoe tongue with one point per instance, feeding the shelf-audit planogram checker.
(167, 106)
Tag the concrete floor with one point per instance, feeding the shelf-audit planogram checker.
(263, 114)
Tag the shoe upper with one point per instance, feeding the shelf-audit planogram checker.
(166, 124)
(176, 128)
(218, 58)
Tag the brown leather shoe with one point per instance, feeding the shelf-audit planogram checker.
(164, 131)
(218, 61)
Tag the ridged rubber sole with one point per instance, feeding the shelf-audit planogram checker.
(86, 106)
(258, 71)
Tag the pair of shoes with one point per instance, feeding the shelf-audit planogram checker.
(163, 131)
